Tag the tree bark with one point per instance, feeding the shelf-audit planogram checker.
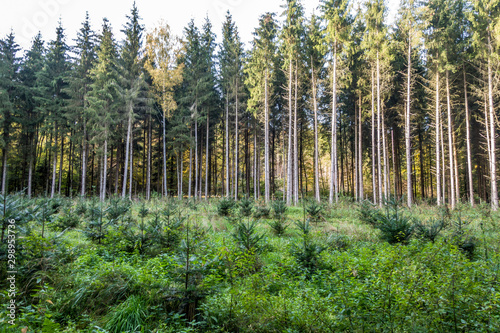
(266, 140)
(493, 169)
(409, 196)
(467, 141)
(206, 156)
(127, 150)
(379, 114)
(316, 146)
(438, 144)
(334, 159)
(450, 143)
(84, 158)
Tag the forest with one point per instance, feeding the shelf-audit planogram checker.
(337, 174)
(413, 107)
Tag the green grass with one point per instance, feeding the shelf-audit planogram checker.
(354, 282)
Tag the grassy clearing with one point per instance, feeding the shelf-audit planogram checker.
(170, 266)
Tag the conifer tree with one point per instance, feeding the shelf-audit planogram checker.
(80, 86)
(54, 82)
(102, 98)
(31, 120)
(260, 71)
(9, 94)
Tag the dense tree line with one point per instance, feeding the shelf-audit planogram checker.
(334, 104)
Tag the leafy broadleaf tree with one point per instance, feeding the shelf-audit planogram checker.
(163, 51)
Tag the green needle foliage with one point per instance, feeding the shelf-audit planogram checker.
(247, 237)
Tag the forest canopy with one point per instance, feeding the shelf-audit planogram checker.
(336, 104)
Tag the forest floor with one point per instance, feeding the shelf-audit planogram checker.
(221, 266)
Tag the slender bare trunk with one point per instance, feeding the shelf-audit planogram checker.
(266, 140)
(387, 188)
(290, 133)
(409, 192)
(379, 113)
(206, 156)
(148, 176)
(316, 145)
(334, 159)
(360, 150)
(127, 150)
(4, 170)
(30, 171)
(374, 163)
(84, 158)
(467, 133)
(54, 167)
(196, 155)
(60, 167)
(236, 143)
(255, 157)
(190, 185)
(438, 144)
(493, 169)
(227, 145)
(131, 178)
(295, 145)
(105, 167)
(450, 142)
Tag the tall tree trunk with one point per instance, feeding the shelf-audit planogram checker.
(236, 142)
(493, 169)
(356, 153)
(196, 155)
(409, 197)
(360, 150)
(387, 181)
(164, 125)
(105, 166)
(207, 170)
(379, 114)
(316, 146)
(438, 144)
(61, 166)
(181, 181)
(467, 141)
(30, 170)
(227, 145)
(4, 170)
(84, 159)
(334, 160)
(450, 142)
(374, 163)
(255, 158)
(266, 140)
(131, 178)
(148, 176)
(290, 134)
(295, 138)
(54, 167)
(127, 151)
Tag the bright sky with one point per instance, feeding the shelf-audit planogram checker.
(27, 17)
